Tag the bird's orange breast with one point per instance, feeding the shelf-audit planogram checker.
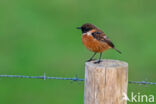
(93, 44)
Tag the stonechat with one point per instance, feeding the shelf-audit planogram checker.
(95, 40)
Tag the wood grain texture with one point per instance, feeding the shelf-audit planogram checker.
(105, 83)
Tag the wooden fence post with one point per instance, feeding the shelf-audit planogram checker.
(106, 83)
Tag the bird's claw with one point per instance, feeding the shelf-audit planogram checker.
(97, 62)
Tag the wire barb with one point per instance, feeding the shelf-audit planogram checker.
(44, 76)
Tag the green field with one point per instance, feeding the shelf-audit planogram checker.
(39, 36)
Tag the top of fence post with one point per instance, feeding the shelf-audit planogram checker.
(105, 83)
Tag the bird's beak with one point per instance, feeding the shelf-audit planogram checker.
(78, 27)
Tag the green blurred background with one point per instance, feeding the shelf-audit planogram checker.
(39, 36)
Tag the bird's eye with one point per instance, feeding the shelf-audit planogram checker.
(87, 29)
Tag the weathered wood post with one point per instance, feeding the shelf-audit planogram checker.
(106, 83)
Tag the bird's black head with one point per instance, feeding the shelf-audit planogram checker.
(86, 27)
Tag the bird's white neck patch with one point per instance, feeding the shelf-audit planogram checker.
(89, 33)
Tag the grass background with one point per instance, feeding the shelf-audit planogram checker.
(39, 36)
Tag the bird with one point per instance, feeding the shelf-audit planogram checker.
(95, 40)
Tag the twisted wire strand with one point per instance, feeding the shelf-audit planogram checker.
(72, 79)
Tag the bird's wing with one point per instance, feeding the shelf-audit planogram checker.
(103, 38)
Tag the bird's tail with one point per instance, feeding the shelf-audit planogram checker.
(117, 50)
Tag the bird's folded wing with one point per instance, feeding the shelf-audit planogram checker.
(103, 38)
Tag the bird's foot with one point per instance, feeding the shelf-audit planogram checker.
(90, 60)
(97, 62)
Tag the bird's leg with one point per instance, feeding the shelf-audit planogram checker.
(99, 59)
(91, 57)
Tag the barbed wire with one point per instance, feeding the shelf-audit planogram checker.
(141, 82)
(44, 77)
